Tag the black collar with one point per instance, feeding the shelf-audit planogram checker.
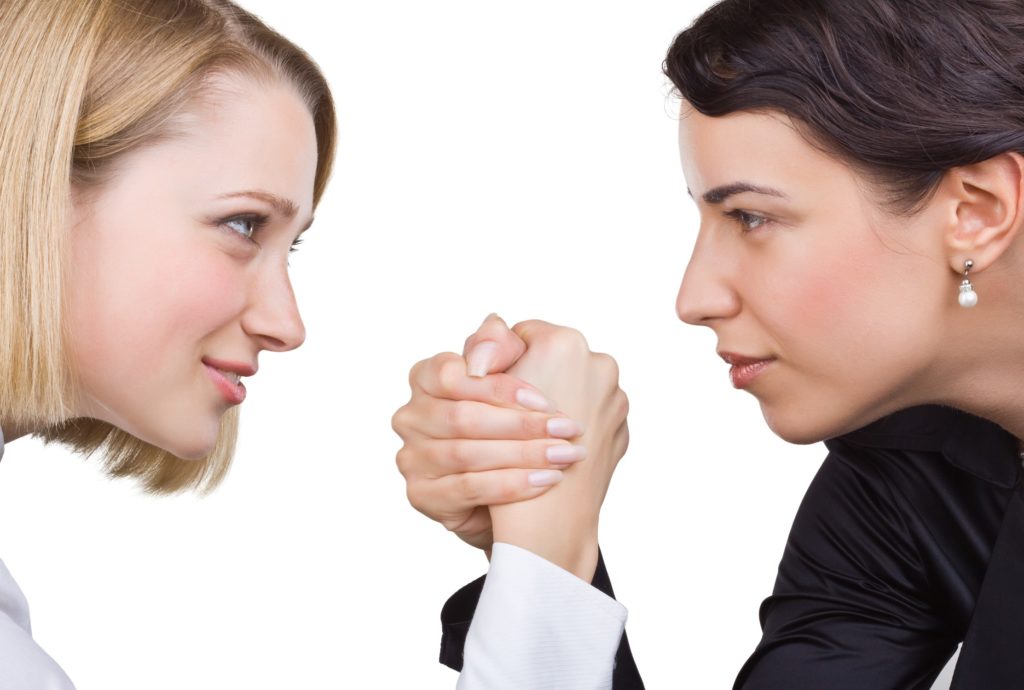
(973, 444)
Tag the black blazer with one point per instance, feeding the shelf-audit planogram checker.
(909, 540)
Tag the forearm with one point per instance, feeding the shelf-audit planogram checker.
(552, 527)
(562, 525)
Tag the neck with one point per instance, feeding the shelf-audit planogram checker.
(984, 371)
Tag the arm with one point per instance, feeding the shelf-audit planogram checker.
(458, 612)
(589, 385)
(538, 626)
(539, 623)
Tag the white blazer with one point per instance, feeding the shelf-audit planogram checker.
(23, 663)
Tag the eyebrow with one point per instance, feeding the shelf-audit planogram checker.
(285, 207)
(720, 194)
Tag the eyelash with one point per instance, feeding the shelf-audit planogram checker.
(747, 220)
(257, 221)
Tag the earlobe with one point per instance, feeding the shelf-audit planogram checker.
(988, 216)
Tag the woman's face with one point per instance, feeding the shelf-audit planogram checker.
(846, 302)
(179, 271)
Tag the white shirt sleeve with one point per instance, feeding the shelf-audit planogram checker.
(539, 627)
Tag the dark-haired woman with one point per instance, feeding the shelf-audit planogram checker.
(859, 171)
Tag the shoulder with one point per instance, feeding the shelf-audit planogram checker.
(905, 511)
(23, 663)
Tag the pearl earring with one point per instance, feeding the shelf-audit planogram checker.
(968, 297)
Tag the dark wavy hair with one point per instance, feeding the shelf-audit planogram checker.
(901, 90)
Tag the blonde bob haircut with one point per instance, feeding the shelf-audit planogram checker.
(84, 82)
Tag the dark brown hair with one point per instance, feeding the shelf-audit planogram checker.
(902, 90)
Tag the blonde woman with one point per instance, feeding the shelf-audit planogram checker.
(158, 161)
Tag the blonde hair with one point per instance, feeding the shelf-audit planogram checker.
(85, 81)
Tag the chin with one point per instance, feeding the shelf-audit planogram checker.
(799, 427)
(187, 444)
(192, 453)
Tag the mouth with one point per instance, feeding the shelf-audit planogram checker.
(226, 377)
(744, 370)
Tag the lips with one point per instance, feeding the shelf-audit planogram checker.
(744, 370)
(225, 376)
(239, 368)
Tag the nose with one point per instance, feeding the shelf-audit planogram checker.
(706, 293)
(272, 316)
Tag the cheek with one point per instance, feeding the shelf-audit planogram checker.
(848, 307)
(803, 293)
(141, 310)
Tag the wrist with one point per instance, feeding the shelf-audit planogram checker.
(571, 545)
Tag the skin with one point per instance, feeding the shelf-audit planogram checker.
(441, 439)
(832, 286)
(586, 385)
(166, 269)
(857, 306)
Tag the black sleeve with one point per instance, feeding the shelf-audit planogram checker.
(852, 607)
(458, 613)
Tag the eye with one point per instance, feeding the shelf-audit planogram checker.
(749, 221)
(295, 245)
(245, 225)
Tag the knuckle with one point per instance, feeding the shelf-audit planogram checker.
(621, 403)
(451, 524)
(611, 367)
(467, 486)
(566, 334)
(417, 371)
(402, 460)
(449, 375)
(415, 497)
(531, 426)
(460, 418)
(532, 454)
(573, 337)
(505, 491)
(563, 341)
(460, 456)
(539, 454)
(399, 420)
(501, 388)
(622, 440)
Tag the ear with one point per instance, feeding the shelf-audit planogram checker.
(989, 210)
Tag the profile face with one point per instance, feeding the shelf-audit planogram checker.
(179, 266)
(844, 304)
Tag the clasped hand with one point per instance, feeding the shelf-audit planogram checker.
(516, 440)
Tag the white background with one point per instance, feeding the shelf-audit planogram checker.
(493, 157)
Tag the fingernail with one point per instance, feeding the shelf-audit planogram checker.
(489, 317)
(560, 427)
(544, 477)
(565, 454)
(481, 358)
(533, 400)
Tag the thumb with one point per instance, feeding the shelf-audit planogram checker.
(493, 348)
